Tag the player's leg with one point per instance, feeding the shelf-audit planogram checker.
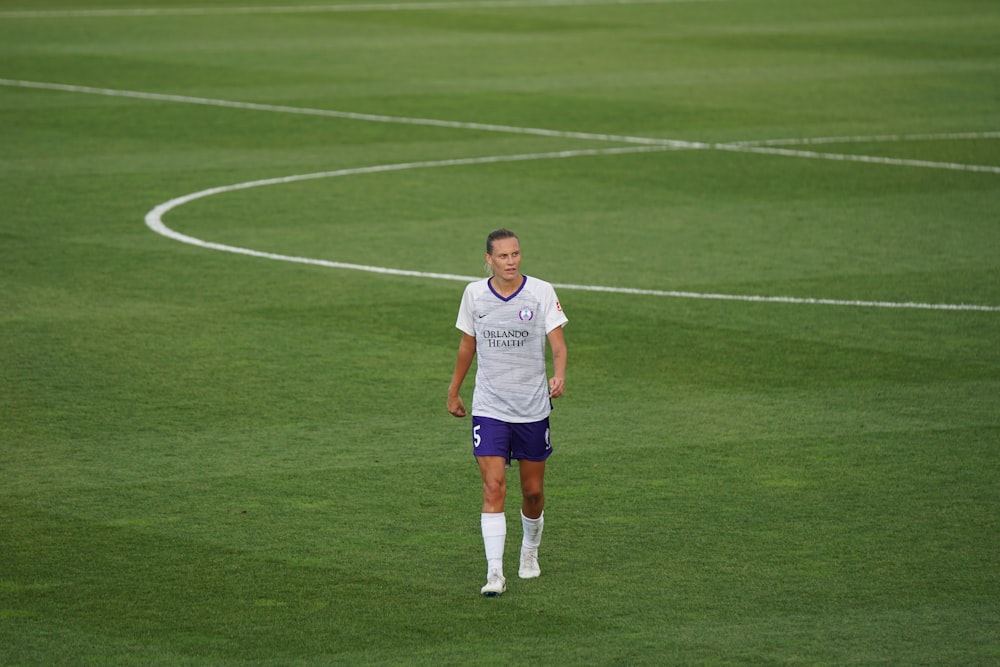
(532, 516)
(491, 446)
(493, 470)
(532, 488)
(493, 521)
(531, 446)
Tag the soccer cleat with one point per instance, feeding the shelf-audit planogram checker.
(529, 564)
(495, 585)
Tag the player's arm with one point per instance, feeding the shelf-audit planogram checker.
(557, 343)
(466, 352)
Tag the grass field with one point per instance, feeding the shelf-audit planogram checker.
(780, 442)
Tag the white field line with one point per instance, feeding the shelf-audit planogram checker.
(768, 146)
(850, 157)
(154, 219)
(323, 9)
(875, 138)
(347, 115)
(783, 299)
(155, 222)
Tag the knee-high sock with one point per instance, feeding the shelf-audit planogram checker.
(532, 531)
(494, 527)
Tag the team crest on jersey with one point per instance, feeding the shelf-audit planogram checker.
(526, 314)
(558, 306)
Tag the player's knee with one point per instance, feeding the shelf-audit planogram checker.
(494, 490)
(534, 498)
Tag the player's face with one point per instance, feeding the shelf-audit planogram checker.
(506, 259)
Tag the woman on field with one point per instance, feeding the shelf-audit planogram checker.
(505, 320)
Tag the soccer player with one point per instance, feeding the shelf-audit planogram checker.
(505, 320)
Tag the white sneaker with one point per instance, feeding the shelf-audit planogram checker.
(529, 564)
(495, 585)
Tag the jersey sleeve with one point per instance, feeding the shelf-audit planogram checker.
(554, 315)
(466, 322)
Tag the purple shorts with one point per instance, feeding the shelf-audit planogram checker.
(528, 442)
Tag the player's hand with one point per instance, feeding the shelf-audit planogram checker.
(557, 386)
(455, 406)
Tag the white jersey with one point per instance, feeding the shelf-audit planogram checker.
(511, 384)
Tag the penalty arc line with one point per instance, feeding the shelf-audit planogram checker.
(154, 220)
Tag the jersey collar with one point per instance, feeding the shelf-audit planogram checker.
(524, 281)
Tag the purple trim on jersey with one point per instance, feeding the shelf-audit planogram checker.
(527, 442)
(524, 281)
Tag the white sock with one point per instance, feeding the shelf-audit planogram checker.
(532, 531)
(494, 527)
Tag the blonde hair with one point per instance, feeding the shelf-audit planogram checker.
(498, 235)
(495, 235)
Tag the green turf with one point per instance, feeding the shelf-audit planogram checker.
(209, 458)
